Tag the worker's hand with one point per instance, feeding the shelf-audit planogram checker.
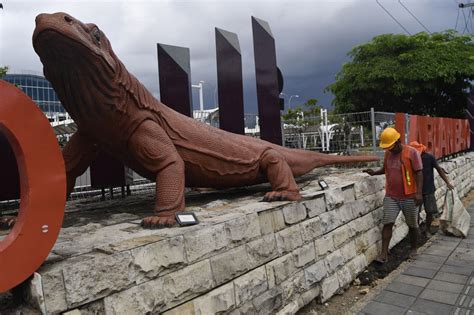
(450, 186)
(418, 199)
(369, 171)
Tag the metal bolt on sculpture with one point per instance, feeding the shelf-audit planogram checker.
(42, 187)
(115, 113)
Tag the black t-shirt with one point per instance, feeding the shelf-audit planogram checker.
(429, 163)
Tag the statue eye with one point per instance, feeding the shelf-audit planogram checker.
(96, 34)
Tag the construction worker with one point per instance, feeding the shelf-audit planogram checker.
(403, 189)
(429, 200)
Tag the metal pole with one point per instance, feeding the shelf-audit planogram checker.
(372, 120)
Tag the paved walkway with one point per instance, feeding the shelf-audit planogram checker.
(439, 281)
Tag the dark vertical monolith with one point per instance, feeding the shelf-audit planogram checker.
(106, 172)
(229, 82)
(267, 82)
(175, 78)
(9, 178)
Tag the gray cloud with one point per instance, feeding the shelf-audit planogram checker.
(312, 37)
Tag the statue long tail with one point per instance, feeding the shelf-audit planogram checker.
(303, 161)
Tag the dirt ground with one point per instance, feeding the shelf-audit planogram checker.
(373, 280)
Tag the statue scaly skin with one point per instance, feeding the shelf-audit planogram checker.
(115, 113)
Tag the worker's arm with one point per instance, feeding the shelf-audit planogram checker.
(419, 187)
(371, 172)
(442, 173)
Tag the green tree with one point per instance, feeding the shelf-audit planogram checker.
(303, 117)
(3, 71)
(418, 74)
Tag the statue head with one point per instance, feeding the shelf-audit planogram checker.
(64, 42)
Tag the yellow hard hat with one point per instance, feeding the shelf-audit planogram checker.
(388, 137)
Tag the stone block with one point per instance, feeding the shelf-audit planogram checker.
(363, 223)
(315, 206)
(361, 242)
(374, 235)
(357, 265)
(246, 309)
(262, 250)
(91, 279)
(315, 273)
(162, 293)
(309, 295)
(334, 198)
(344, 213)
(366, 186)
(289, 239)
(280, 269)
(292, 287)
(148, 297)
(183, 309)
(329, 286)
(230, 264)
(187, 282)
(54, 291)
(269, 302)
(358, 208)
(329, 221)
(372, 251)
(243, 229)
(271, 221)
(334, 261)
(311, 229)
(250, 285)
(33, 293)
(205, 242)
(158, 258)
(218, 301)
(304, 255)
(348, 193)
(341, 235)
(344, 277)
(324, 245)
(294, 213)
(348, 251)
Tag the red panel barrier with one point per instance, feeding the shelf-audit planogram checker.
(442, 136)
(42, 187)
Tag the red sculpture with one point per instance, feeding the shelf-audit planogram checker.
(42, 187)
(114, 112)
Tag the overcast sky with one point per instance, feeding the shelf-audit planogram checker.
(312, 37)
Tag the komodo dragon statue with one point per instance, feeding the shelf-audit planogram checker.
(115, 113)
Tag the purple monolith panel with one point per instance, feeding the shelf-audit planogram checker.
(470, 115)
(9, 178)
(175, 78)
(229, 82)
(267, 81)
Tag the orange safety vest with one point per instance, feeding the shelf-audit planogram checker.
(408, 175)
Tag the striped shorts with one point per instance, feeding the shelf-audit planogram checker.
(392, 207)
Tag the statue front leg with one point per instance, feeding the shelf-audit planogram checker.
(155, 152)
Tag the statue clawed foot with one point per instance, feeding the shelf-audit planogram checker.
(158, 222)
(282, 195)
(7, 222)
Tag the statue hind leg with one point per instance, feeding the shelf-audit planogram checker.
(280, 176)
(154, 151)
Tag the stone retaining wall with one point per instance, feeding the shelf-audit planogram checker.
(245, 257)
